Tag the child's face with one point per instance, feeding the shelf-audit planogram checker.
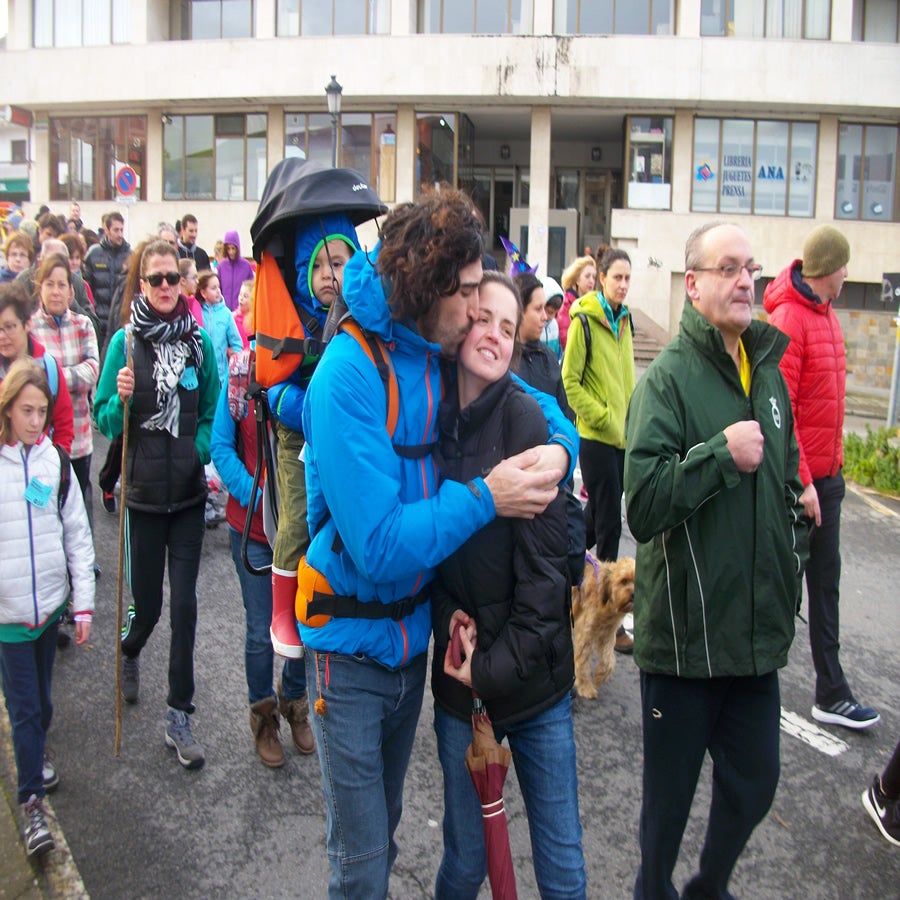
(212, 293)
(28, 415)
(322, 279)
(552, 310)
(244, 300)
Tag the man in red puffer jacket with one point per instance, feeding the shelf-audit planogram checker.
(799, 302)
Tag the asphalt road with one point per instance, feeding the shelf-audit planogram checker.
(141, 826)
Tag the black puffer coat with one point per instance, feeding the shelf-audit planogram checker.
(102, 267)
(510, 576)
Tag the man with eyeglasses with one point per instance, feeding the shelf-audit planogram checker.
(713, 499)
(800, 303)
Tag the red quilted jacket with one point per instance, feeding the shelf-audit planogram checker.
(815, 368)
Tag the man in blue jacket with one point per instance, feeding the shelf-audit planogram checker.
(380, 520)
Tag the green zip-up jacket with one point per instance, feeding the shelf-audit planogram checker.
(720, 552)
(600, 397)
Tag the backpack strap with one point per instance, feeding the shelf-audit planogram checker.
(587, 342)
(52, 373)
(65, 478)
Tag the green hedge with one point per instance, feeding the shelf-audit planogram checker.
(874, 461)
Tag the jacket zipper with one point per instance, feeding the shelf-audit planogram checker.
(34, 602)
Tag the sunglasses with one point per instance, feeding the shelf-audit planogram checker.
(157, 278)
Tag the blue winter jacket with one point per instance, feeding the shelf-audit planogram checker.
(286, 398)
(396, 521)
(223, 331)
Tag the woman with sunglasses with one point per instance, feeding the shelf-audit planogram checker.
(172, 391)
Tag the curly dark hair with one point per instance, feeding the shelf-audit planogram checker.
(424, 245)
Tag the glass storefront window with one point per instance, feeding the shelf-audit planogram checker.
(649, 163)
(86, 153)
(745, 166)
(204, 20)
(613, 16)
(867, 173)
(793, 19)
(220, 157)
(80, 23)
(475, 16)
(326, 17)
(435, 150)
(876, 20)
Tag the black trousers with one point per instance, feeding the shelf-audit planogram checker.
(823, 582)
(736, 720)
(112, 465)
(150, 538)
(82, 469)
(602, 471)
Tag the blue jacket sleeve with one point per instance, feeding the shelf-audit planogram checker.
(562, 431)
(286, 403)
(223, 449)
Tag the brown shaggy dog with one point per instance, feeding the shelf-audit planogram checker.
(605, 596)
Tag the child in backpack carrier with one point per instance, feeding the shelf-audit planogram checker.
(321, 250)
(46, 540)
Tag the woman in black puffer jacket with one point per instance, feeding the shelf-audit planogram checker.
(508, 591)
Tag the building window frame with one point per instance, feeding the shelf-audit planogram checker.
(18, 151)
(645, 150)
(98, 159)
(799, 173)
(863, 14)
(182, 20)
(583, 17)
(186, 171)
(720, 18)
(53, 23)
(374, 15)
(432, 16)
(865, 208)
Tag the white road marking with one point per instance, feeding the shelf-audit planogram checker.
(811, 734)
(864, 495)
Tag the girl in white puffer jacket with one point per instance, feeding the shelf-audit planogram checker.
(44, 542)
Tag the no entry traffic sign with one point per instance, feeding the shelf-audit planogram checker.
(126, 181)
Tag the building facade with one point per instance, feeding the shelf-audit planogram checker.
(570, 122)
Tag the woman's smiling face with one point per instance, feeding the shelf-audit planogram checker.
(487, 350)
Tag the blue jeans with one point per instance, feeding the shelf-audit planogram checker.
(543, 749)
(27, 670)
(259, 657)
(364, 741)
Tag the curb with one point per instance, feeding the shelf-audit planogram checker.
(56, 875)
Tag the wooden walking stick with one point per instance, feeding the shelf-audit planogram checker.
(120, 574)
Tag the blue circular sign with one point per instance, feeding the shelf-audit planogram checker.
(126, 181)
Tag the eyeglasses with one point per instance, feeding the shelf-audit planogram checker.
(10, 329)
(733, 270)
(157, 278)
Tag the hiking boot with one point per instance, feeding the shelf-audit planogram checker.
(180, 739)
(296, 714)
(885, 812)
(50, 775)
(624, 641)
(38, 839)
(131, 678)
(847, 713)
(265, 725)
(109, 501)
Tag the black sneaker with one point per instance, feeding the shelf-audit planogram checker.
(885, 813)
(38, 839)
(847, 713)
(50, 775)
(109, 501)
(131, 679)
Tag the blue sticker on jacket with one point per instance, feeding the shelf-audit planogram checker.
(37, 493)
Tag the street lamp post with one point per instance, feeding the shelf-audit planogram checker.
(333, 93)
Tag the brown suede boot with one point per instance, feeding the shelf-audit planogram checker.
(264, 725)
(296, 714)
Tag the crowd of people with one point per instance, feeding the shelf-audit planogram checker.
(452, 521)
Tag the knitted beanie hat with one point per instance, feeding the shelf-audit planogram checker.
(825, 250)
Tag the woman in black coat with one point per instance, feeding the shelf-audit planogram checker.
(507, 591)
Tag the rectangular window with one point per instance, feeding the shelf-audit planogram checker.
(80, 23)
(763, 167)
(649, 163)
(435, 150)
(613, 16)
(214, 157)
(86, 153)
(475, 16)
(367, 142)
(202, 20)
(793, 19)
(867, 173)
(876, 20)
(18, 151)
(326, 17)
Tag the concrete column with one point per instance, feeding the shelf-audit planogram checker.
(543, 17)
(403, 16)
(139, 18)
(539, 195)
(19, 30)
(687, 18)
(827, 166)
(682, 161)
(407, 144)
(265, 20)
(274, 136)
(842, 20)
(39, 175)
(154, 170)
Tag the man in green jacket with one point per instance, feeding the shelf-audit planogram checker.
(713, 499)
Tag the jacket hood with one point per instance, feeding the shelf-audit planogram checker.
(590, 305)
(311, 235)
(789, 287)
(366, 293)
(232, 237)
